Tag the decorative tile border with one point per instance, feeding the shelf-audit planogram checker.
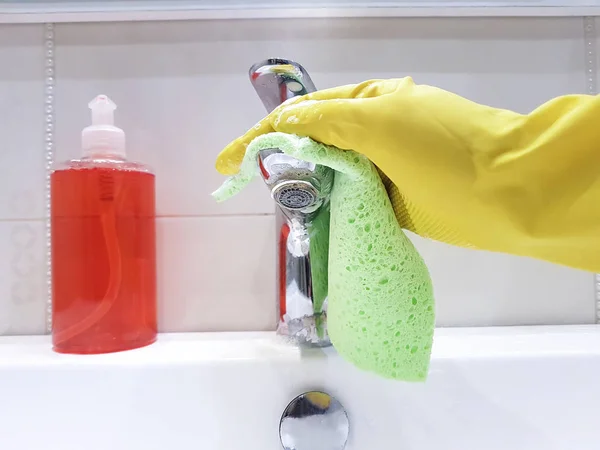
(49, 120)
(597, 300)
(591, 75)
(589, 35)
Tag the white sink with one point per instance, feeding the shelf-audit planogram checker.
(508, 388)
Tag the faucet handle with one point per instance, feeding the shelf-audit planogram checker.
(277, 80)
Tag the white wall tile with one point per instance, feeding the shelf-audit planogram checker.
(21, 122)
(183, 92)
(22, 238)
(219, 274)
(475, 288)
(216, 273)
(177, 108)
(23, 288)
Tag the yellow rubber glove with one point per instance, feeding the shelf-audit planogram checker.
(464, 173)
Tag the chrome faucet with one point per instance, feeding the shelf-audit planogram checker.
(301, 191)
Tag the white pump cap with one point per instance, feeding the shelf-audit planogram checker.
(102, 137)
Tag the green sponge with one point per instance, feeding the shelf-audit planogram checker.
(381, 311)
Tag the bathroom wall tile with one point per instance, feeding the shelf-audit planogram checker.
(475, 288)
(207, 282)
(23, 289)
(596, 47)
(216, 273)
(178, 101)
(183, 92)
(514, 63)
(21, 122)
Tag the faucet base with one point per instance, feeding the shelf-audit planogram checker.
(307, 331)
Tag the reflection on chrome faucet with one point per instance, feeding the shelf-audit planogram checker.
(301, 190)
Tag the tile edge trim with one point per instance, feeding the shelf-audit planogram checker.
(591, 75)
(49, 122)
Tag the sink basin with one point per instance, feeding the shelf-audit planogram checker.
(513, 388)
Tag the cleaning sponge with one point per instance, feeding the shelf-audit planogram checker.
(381, 309)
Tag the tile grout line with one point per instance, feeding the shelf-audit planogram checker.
(49, 121)
(591, 75)
(158, 217)
(216, 216)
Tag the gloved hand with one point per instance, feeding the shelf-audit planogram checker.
(464, 173)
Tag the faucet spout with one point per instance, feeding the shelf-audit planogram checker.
(301, 191)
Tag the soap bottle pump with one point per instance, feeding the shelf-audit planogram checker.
(103, 244)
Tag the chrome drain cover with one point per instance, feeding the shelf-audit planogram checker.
(314, 421)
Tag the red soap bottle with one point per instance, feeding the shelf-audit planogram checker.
(103, 245)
